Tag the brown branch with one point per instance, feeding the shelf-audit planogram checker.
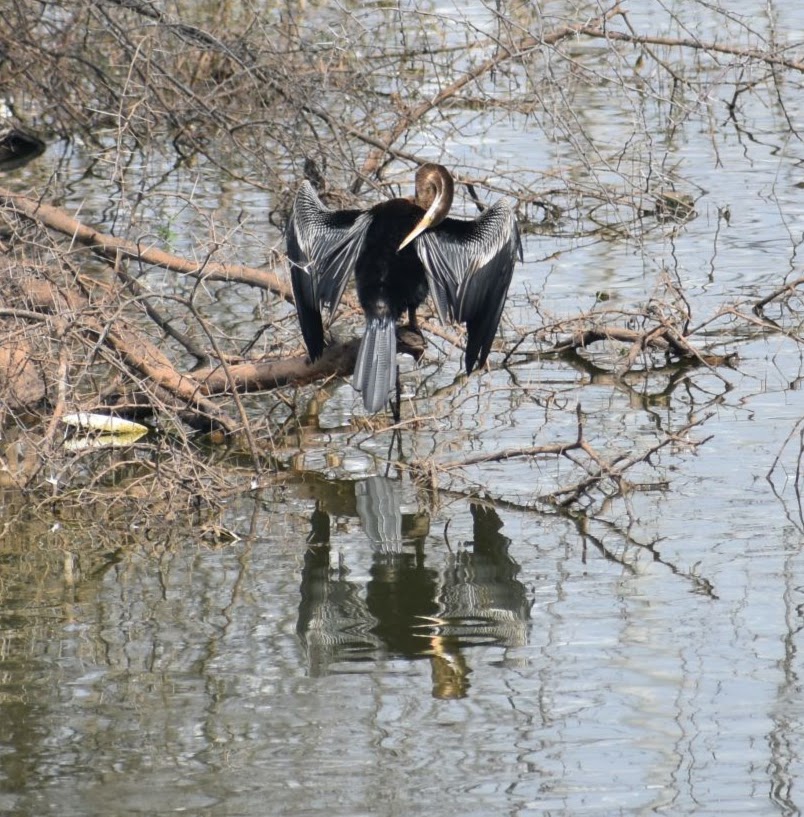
(663, 338)
(555, 449)
(162, 321)
(763, 323)
(586, 337)
(72, 310)
(75, 312)
(678, 42)
(785, 290)
(150, 362)
(338, 360)
(22, 385)
(112, 247)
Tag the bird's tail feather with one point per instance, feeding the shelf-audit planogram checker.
(375, 370)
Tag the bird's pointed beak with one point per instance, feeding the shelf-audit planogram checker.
(425, 222)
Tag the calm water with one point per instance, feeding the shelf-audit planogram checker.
(366, 648)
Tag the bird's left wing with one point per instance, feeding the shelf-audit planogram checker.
(469, 265)
(322, 246)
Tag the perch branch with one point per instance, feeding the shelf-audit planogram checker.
(338, 360)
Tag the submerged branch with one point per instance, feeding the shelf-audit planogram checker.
(664, 338)
(599, 469)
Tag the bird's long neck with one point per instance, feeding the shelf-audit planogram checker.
(434, 192)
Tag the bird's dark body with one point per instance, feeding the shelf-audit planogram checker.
(390, 281)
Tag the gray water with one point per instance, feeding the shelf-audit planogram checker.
(365, 647)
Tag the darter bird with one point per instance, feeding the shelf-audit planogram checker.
(398, 251)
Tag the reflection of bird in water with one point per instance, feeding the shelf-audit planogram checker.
(398, 250)
(333, 622)
(448, 669)
(481, 597)
(415, 604)
(378, 504)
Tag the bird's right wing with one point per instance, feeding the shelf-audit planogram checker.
(322, 246)
(469, 265)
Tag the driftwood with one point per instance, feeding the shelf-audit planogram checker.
(338, 360)
(663, 338)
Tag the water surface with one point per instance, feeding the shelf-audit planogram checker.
(368, 647)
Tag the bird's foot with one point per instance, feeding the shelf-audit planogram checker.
(410, 341)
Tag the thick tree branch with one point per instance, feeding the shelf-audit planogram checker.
(113, 248)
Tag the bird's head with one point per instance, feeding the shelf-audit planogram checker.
(434, 192)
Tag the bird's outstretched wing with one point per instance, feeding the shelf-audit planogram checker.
(469, 265)
(322, 246)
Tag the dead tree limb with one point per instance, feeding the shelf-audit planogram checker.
(617, 468)
(598, 468)
(75, 312)
(663, 338)
(338, 360)
(113, 248)
(685, 42)
(785, 290)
